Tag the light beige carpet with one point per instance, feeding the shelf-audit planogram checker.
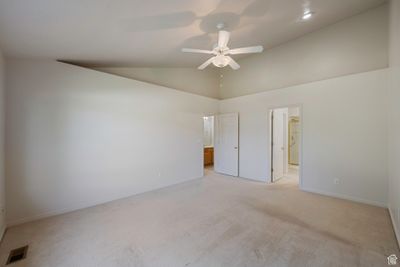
(213, 221)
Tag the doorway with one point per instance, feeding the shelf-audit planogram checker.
(285, 137)
(221, 143)
(208, 142)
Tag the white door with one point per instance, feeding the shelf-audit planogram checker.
(279, 133)
(226, 144)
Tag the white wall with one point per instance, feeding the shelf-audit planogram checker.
(357, 44)
(205, 83)
(77, 137)
(344, 129)
(394, 117)
(293, 112)
(2, 172)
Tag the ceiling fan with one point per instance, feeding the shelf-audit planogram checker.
(221, 52)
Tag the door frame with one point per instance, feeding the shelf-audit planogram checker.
(201, 141)
(270, 136)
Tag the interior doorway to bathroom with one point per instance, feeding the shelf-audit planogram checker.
(208, 142)
(285, 137)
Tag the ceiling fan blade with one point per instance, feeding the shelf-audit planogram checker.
(223, 38)
(205, 64)
(191, 50)
(245, 50)
(234, 65)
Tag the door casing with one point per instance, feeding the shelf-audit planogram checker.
(269, 147)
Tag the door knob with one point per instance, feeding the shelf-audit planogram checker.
(235, 147)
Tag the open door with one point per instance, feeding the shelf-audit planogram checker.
(226, 147)
(278, 137)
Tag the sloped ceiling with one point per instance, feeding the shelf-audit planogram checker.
(151, 33)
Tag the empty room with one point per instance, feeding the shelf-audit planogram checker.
(205, 133)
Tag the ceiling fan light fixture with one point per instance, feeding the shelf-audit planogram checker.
(220, 61)
(221, 52)
(307, 15)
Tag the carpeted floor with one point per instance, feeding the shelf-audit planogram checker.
(213, 221)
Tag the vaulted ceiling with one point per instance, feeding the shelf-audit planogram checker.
(151, 33)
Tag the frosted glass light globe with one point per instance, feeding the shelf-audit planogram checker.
(220, 61)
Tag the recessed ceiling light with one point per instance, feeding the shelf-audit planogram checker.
(307, 15)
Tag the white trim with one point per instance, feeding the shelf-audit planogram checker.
(2, 232)
(293, 105)
(84, 205)
(250, 179)
(396, 231)
(53, 213)
(346, 197)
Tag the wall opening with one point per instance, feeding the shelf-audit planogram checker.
(208, 143)
(285, 148)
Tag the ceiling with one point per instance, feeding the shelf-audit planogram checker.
(151, 33)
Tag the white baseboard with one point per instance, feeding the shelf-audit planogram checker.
(54, 213)
(84, 205)
(341, 196)
(2, 232)
(396, 231)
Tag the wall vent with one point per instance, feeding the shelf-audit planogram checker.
(17, 254)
